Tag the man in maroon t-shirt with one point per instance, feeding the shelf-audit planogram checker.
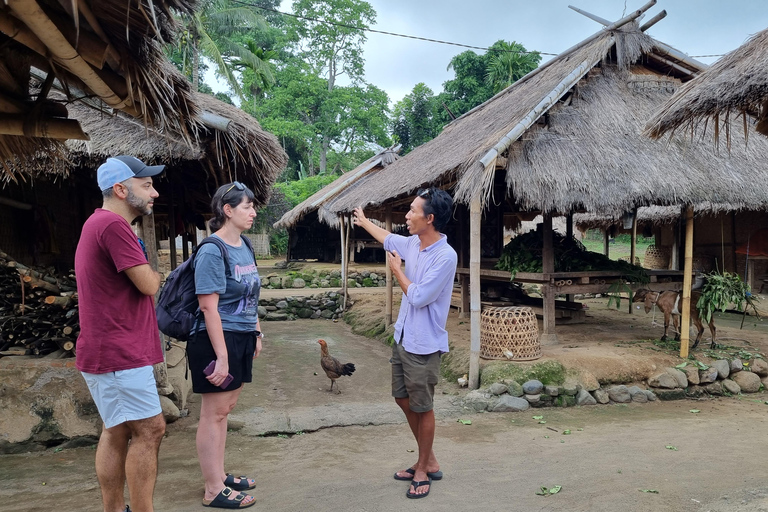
(119, 341)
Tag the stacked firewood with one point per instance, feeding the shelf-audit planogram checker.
(38, 311)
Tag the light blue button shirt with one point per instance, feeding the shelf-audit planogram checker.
(424, 309)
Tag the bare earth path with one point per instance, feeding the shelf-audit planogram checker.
(352, 443)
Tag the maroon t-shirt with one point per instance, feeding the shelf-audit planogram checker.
(118, 327)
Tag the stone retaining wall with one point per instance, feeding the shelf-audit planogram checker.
(322, 305)
(331, 279)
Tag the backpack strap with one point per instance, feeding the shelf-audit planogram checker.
(218, 242)
(247, 242)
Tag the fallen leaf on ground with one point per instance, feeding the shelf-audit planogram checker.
(670, 447)
(694, 411)
(464, 422)
(538, 417)
(652, 491)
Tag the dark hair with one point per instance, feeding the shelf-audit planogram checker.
(231, 194)
(437, 202)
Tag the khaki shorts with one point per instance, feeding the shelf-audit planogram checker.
(414, 377)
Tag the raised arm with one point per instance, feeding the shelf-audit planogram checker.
(375, 231)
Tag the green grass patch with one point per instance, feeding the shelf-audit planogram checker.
(547, 372)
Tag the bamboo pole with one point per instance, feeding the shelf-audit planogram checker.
(606, 240)
(548, 334)
(651, 22)
(685, 311)
(29, 12)
(344, 256)
(475, 213)
(388, 311)
(150, 240)
(51, 127)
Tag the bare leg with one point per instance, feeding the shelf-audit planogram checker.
(141, 461)
(422, 426)
(212, 438)
(110, 466)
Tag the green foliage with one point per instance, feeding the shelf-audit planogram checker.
(215, 31)
(524, 254)
(414, 120)
(507, 63)
(720, 291)
(547, 372)
(295, 192)
(368, 282)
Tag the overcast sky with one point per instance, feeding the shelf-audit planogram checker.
(395, 64)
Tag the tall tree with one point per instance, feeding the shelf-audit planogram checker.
(479, 77)
(507, 63)
(211, 32)
(414, 116)
(330, 37)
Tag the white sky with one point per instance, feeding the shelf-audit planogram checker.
(395, 64)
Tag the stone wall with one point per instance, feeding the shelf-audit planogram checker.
(322, 305)
(330, 279)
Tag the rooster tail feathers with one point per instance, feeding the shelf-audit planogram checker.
(348, 369)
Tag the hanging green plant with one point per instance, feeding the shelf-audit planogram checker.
(722, 290)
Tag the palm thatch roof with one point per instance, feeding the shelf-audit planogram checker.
(320, 200)
(737, 84)
(238, 149)
(109, 50)
(569, 137)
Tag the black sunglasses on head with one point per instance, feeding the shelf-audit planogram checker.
(423, 193)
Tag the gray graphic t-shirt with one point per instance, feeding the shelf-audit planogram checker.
(238, 294)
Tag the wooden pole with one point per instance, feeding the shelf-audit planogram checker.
(569, 235)
(389, 293)
(685, 307)
(606, 240)
(150, 240)
(463, 278)
(49, 127)
(548, 335)
(475, 213)
(633, 250)
(172, 231)
(344, 256)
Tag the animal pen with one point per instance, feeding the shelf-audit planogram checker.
(566, 138)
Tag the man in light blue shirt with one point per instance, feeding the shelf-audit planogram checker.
(420, 335)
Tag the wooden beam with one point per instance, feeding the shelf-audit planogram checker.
(591, 16)
(475, 217)
(651, 22)
(685, 307)
(633, 249)
(606, 240)
(29, 12)
(52, 127)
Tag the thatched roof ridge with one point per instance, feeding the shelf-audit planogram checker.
(454, 155)
(735, 84)
(655, 215)
(319, 200)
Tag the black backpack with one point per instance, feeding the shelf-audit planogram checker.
(177, 308)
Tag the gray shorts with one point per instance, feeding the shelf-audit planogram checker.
(414, 377)
(126, 395)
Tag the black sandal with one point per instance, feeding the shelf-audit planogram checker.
(242, 485)
(222, 500)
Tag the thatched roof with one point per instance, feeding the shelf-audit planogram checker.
(238, 150)
(735, 84)
(570, 133)
(109, 50)
(320, 200)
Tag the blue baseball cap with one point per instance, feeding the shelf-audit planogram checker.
(119, 168)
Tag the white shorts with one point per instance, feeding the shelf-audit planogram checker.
(126, 395)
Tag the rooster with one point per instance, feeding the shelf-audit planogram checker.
(332, 367)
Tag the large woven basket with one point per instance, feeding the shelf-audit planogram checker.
(656, 257)
(510, 333)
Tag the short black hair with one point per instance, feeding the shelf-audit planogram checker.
(437, 202)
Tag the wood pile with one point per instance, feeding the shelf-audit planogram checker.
(38, 311)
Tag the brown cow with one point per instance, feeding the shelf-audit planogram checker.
(667, 302)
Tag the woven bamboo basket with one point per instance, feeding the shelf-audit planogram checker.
(510, 333)
(656, 257)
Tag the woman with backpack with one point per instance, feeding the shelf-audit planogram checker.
(221, 350)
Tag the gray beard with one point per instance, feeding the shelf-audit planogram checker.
(141, 207)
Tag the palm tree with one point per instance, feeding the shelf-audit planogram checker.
(508, 63)
(209, 33)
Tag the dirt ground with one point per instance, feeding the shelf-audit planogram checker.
(313, 450)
